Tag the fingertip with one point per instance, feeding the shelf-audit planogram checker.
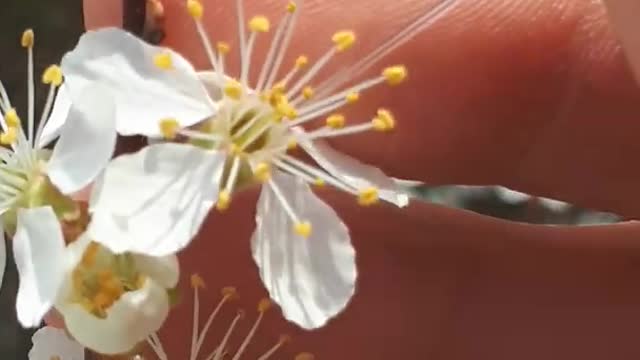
(100, 13)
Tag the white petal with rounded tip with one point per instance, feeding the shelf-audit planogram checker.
(354, 172)
(38, 247)
(144, 94)
(52, 343)
(164, 270)
(57, 118)
(311, 279)
(154, 201)
(87, 142)
(3, 255)
(129, 320)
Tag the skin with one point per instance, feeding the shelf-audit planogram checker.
(538, 96)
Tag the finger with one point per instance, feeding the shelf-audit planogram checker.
(99, 13)
(535, 96)
(624, 16)
(435, 282)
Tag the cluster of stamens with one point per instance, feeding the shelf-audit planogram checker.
(258, 125)
(101, 278)
(222, 351)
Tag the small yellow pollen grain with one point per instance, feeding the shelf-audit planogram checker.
(395, 75)
(303, 229)
(352, 97)
(262, 172)
(283, 108)
(292, 144)
(302, 61)
(305, 356)
(169, 128)
(264, 305)
(163, 61)
(197, 282)
(9, 137)
(27, 39)
(368, 196)
(224, 200)
(259, 23)
(384, 121)
(233, 89)
(11, 118)
(336, 121)
(195, 9)
(52, 75)
(343, 40)
(308, 92)
(223, 47)
(229, 292)
(292, 7)
(319, 182)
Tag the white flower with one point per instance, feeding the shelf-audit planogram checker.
(52, 343)
(112, 302)
(35, 182)
(245, 131)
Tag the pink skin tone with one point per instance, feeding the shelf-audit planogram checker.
(539, 96)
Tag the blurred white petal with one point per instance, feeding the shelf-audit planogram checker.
(52, 343)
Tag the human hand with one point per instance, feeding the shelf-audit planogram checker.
(537, 97)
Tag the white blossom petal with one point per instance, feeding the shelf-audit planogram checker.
(311, 279)
(57, 118)
(354, 172)
(38, 247)
(52, 343)
(129, 320)
(87, 142)
(3, 255)
(164, 270)
(144, 94)
(153, 202)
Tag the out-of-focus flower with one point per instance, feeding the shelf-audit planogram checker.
(35, 183)
(50, 343)
(235, 133)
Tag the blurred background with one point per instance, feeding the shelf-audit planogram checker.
(57, 27)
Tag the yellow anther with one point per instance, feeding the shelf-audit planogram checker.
(229, 292)
(264, 305)
(223, 47)
(101, 301)
(11, 118)
(169, 128)
(90, 254)
(259, 24)
(262, 172)
(336, 121)
(292, 7)
(352, 97)
(384, 121)
(308, 92)
(277, 91)
(195, 9)
(224, 200)
(286, 110)
(233, 89)
(197, 282)
(284, 338)
(319, 182)
(303, 229)
(163, 61)
(343, 40)
(292, 144)
(9, 137)
(52, 75)
(302, 61)
(395, 74)
(368, 196)
(28, 38)
(305, 356)
(235, 150)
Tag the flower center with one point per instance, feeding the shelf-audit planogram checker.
(101, 278)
